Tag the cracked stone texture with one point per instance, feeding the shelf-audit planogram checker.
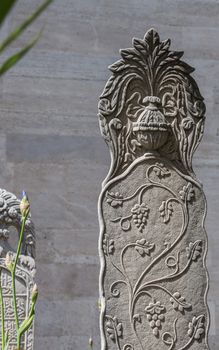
(53, 93)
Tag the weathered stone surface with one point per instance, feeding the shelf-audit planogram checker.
(43, 96)
(153, 279)
(10, 218)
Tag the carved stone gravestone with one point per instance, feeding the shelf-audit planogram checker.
(153, 278)
(10, 221)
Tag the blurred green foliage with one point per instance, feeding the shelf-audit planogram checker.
(5, 8)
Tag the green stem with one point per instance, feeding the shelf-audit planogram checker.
(14, 300)
(13, 275)
(18, 341)
(2, 313)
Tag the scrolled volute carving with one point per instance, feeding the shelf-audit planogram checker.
(150, 103)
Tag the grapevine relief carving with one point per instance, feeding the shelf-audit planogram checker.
(151, 116)
(155, 310)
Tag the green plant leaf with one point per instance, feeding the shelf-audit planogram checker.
(11, 61)
(6, 341)
(32, 309)
(25, 325)
(5, 8)
(34, 296)
(20, 29)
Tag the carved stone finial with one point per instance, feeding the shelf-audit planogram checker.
(153, 278)
(151, 72)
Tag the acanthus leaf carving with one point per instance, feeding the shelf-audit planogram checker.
(151, 69)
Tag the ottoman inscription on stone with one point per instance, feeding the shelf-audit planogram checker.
(153, 278)
(10, 224)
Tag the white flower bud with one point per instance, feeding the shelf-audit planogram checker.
(91, 343)
(9, 261)
(24, 205)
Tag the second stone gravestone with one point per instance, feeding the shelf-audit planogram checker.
(153, 279)
(10, 225)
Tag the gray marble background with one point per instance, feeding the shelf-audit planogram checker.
(50, 143)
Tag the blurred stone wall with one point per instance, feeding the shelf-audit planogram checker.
(50, 144)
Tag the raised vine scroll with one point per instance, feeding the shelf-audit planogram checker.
(153, 278)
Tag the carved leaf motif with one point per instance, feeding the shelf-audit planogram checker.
(134, 106)
(196, 327)
(160, 170)
(140, 215)
(117, 66)
(143, 247)
(114, 328)
(119, 329)
(179, 302)
(108, 245)
(114, 199)
(104, 110)
(151, 69)
(155, 308)
(3, 205)
(111, 246)
(187, 193)
(166, 210)
(104, 128)
(110, 330)
(194, 250)
(110, 86)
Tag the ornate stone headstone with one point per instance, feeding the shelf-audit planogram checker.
(153, 278)
(10, 218)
